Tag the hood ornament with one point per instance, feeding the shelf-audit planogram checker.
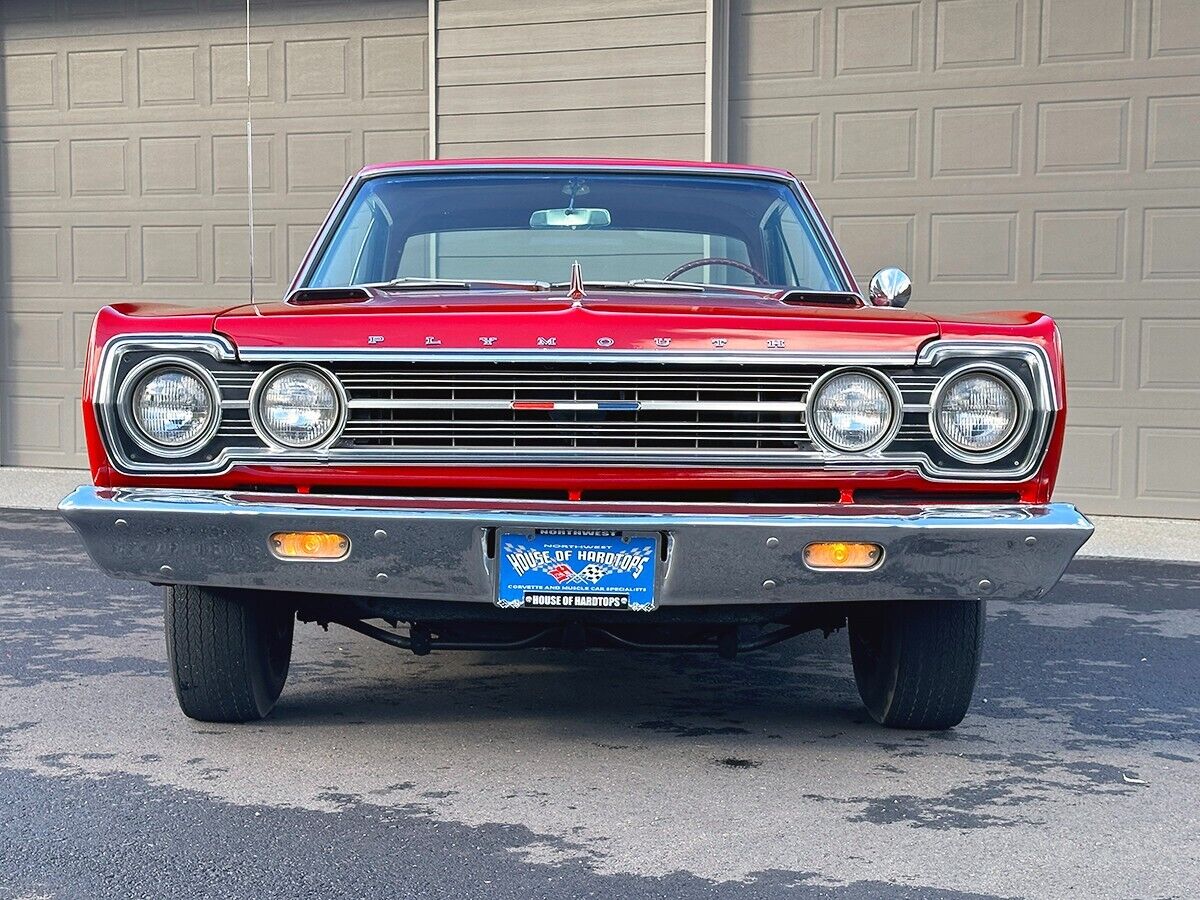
(575, 290)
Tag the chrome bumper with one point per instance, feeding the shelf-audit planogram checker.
(439, 549)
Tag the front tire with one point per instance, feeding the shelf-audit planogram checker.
(228, 652)
(916, 661)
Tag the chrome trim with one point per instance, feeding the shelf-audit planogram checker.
(647, 405)
(890, 287)
(437, 549)
(124, 406)
(889, 388)
(1016, 433)
(264, 378)
(672, 357)
(1044, 407)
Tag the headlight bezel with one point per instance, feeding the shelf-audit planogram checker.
(1016, 434)
(886, 436)
(271, 441)
(137, 376)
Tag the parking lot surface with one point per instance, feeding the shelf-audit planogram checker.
(600, 774)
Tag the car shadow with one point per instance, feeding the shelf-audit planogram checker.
(799, 692)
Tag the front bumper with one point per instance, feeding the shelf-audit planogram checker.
(441, 549)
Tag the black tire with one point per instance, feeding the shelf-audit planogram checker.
(916, 661)
(228, 652)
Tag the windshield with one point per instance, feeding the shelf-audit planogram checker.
(620, 226)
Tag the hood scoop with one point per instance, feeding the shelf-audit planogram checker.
(312, 296)
(806, 297)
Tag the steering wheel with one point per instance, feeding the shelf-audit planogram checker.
(758, 277)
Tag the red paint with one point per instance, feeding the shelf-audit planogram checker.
(490, 479)
(631, 321)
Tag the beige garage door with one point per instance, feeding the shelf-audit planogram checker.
(124, 170)
(571, 78)
(1016, 153)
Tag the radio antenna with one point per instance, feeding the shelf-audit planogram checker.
(250, 161)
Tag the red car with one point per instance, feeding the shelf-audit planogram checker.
(577, 403)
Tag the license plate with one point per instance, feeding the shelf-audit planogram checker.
(549, 569)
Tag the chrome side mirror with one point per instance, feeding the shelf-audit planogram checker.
(890, 287)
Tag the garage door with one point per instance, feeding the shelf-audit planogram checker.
(571, 78)
(124, 167)
(1021, 153)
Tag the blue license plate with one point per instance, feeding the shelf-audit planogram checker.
(548, 569)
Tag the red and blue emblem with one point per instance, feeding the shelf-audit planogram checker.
(584, 405)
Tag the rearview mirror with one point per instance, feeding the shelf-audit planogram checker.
(890, 287)
(571, 217)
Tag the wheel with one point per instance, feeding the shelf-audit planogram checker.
(916, 661)
(228, 651)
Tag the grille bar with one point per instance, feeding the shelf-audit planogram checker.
(692, 407)
(556, 405)
(648, 405)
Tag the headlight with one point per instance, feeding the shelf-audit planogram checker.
(173, 407)
(299, 407)
(976, 411)
(851, 411)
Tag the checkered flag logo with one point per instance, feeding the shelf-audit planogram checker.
(592, 573)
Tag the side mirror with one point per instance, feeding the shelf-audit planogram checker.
(890, 287)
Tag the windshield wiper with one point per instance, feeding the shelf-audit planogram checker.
(413, 283)
(636, 284)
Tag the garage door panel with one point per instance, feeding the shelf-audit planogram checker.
(541, 85)
(1002, 141)
(847, 45)
(191, 75)
(1038, 246)
(590, 93)
(1013, 154)
(1143, 467)
(113, 166)
(1091, 466)
(123, 166)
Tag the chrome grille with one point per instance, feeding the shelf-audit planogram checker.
(670, 407)
(449, 406)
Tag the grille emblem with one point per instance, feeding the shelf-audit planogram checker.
(587, 405)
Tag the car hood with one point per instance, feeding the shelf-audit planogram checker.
(613, 320)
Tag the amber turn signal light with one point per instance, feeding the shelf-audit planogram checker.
(326, 545)
(842, 555)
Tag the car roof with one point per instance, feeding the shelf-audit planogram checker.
(557, 162)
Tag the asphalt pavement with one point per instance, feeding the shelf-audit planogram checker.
(601, 774)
